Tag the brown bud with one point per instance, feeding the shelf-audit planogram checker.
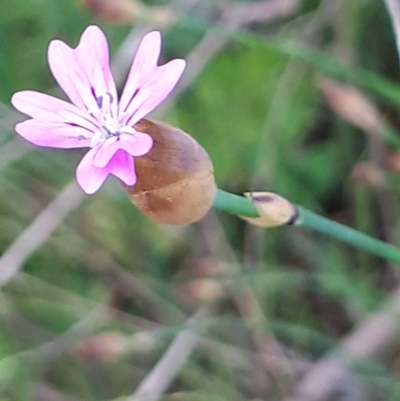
(274, 210)
(161, 17)
(175, 181)
(352, 105)
(141, 342)
(393, 161)
(201, 290)
(368, 175)
(113, 11)
(104, 347)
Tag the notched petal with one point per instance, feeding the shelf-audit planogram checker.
(46, 108)
(54, 135)
(143, 66)
(71, 74)
(106, 151)
(137, 144)
(90, 177)
(156, 90)
(122, 166)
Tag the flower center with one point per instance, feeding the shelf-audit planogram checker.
(110, 124)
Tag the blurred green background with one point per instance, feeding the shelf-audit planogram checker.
(95, 306)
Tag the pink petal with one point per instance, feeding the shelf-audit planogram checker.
(154, 92)
(90, 177)
(105, 152)
(48, 108)
(83, 73)
(69, 75)
(136, 145)
(143, 66)
(122, 166)
(93, 56)
(54, 135)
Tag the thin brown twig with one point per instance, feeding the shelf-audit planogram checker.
(12, 151)
(42, 392)
(232, 17)
(39, 231)
(8, 117)
(124, 56)
(14, 148)
(286, 87)
(377, 333)
(155, 384)
(78, 303)
(393, 7)
(60, 345)
(70, 198)
(246, 301)
(164, 372)
(261, 11)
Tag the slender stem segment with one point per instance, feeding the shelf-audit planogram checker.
(234, 204)
(308, 219)
(241, 206)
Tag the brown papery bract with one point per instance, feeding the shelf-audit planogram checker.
(175, 180)
(104, 347)
(368, 175)
(352, 105)
(113, 11)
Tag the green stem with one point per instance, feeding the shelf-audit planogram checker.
(312, 221)
(241, 206)
(234, 204)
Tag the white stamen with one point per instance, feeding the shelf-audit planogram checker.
(127, 130)
(108, 125)
(97, 138)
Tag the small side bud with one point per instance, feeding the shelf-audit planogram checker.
(113, 11)
(392, 161)
(352, 105)
(141, 343)
(201, 290)
(175, 180)
(104, 347)
(274, 210)
(159, 16)
(368, 175)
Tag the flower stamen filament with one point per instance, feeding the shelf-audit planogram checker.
(109, 126)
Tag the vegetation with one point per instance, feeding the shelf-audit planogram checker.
(301, 100)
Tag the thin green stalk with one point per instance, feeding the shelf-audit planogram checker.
(241, 206)
(312, 221)
(234, 204)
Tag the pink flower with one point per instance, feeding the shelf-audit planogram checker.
(95, 118)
